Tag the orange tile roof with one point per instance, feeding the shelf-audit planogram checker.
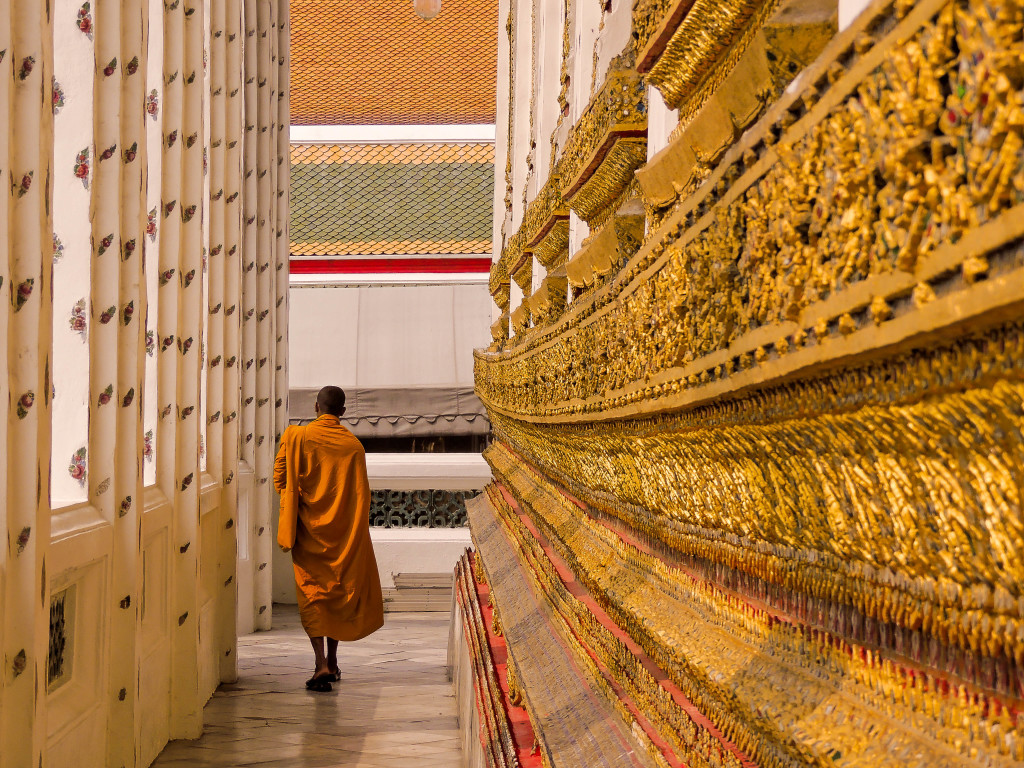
(369, 62)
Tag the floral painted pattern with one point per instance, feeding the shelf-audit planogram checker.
(23, 292)
(150, 343)
(58, 97)
(106, 395)
(82, 167)
(77, 321)
(58, 249)
(78, 467)
(25, 402)
(147, 445)
(151, 224)
(85, 19)
(153, 104)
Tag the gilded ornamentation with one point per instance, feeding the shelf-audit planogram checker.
(788, 695)
(840, 491)
(606, 144)
(891, 183)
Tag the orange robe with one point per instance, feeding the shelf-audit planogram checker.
(320, 473)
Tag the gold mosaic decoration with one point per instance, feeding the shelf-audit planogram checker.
(606, 144)
(787, 695)
(765, 470)
(827, 231)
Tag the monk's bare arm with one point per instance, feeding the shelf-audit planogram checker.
(281, 464)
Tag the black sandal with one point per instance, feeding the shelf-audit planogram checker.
(320, 684)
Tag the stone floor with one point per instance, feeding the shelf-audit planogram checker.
(393, 706)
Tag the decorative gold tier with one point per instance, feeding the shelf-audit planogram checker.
(827, 233)
(606, 145)
(605, 251)
(789, 687)
(546, 226)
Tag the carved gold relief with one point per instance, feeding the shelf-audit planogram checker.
(899, 503)
(896, 183)
(605, 251)
(786, 694)
(607, 144)
(546, 225)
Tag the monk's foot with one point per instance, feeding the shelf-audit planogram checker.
(319, 684)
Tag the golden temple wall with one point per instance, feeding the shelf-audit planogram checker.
(759, 437)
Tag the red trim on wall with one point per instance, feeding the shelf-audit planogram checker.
(388, 266)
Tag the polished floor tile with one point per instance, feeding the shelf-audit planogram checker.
(393, 706)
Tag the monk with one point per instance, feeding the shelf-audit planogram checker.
(320, 472)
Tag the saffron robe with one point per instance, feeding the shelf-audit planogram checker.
(320, 472)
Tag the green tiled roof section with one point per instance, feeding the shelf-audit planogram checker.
(365, 202)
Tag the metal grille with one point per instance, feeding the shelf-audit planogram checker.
(58, 658)
(419, 509)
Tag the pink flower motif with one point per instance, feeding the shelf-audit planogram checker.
(85, 19)
(82, 167)
(132, 66)
(26, 184)
(58, 249)
(24, 403)
(23, 293)
(106, 395)
(131, 152)
(105, 243)
(147, 445)
(150, 343)
(128, 312)
(58, 97)
(165, 277)
(151, 224)
(153, 104)
(77, 468)
(111, 67)
(78, 322)
(108, 314)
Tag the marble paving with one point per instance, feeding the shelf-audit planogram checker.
(393, 706)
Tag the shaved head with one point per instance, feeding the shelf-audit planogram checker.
(331, 400)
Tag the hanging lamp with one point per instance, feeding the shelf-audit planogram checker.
(426, 9)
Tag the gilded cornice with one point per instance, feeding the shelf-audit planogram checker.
(605, 251)
(761, 272)
(606, 144)
(707, 41)
(546, 225)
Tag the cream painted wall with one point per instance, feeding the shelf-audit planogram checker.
(386, 335)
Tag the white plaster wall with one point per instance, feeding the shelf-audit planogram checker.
(521, 108)
(386, 336)
(617, 25)
(438, 471)
(546, 75)
(661, 121)
(500, 142)
(397, 550)
(584, 37)
(850, 10)
(578, 231)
